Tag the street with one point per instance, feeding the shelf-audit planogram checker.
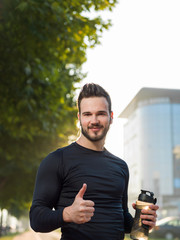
(31, 235)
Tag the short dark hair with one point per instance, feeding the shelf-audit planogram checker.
(93, 90)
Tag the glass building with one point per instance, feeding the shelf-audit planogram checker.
(152, 146)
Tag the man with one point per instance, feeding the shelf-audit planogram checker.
(82, 188)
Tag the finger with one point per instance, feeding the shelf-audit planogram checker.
(89, 214)
(154, 207)
(148, 212)
(148, 217)
(89, 209)
(149, 223)
(87, 219)
(82, 191)
(134, 205)
(84, 209)
(89, 203)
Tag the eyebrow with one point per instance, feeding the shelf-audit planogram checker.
(102, 112)
(96, 113)
(86, 113)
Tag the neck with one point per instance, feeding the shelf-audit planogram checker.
(94, 145)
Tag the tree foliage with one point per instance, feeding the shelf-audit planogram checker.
(42, 48)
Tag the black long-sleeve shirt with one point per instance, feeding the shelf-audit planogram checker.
(61, 176)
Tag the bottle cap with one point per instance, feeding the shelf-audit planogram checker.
(147, 196)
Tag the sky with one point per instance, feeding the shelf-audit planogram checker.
(141, 49)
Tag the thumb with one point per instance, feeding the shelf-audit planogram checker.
(82, 191)
(134, 205)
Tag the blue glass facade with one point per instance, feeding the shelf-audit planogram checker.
(152, 146)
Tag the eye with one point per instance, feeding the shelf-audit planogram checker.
(87, 114)
(102, 113)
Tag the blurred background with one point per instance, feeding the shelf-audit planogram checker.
(48, 51)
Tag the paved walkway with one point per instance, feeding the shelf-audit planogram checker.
(31, 235)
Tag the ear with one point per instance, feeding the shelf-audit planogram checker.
(111, 117)
(78, 115)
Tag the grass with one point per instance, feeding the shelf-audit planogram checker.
(9, 236)
(150, 238)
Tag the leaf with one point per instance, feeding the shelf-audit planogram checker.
(22, 6)
(43, 47)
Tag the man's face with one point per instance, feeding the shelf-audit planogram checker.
(94, 118)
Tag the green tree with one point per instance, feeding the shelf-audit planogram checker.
(42, 48)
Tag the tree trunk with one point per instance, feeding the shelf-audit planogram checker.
(1, 219)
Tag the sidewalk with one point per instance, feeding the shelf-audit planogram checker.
(31, 235)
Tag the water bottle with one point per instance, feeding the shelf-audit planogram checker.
(139, 230)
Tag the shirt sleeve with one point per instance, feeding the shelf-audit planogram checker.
(128, 219)
(44, 216)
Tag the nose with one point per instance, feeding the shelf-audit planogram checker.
(94, 119)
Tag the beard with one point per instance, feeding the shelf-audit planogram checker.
(96, 136)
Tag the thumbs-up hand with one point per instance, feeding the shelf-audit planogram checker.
(81, 210)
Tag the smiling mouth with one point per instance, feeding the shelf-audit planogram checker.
(95, 128)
